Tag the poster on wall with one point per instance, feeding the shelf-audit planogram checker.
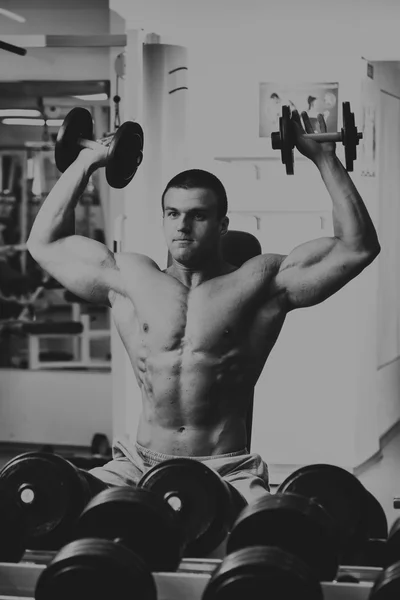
(312, 98)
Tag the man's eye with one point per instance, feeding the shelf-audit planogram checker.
(173, 214)
(199, 216)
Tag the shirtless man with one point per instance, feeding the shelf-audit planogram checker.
(199, 333)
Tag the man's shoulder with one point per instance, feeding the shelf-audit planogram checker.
(268, 262)
(134, 260)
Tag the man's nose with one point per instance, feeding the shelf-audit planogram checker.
(184, 224)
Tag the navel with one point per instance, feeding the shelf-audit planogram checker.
(145, 327)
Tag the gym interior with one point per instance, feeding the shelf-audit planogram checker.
(206, 81)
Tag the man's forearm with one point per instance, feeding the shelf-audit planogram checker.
(351, 221)
(56, 217)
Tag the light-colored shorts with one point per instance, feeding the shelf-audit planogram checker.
(248, 473)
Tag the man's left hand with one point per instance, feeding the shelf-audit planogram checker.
(310, 148)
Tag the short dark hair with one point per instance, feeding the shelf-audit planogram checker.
(197, 178)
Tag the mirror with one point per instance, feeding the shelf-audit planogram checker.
(41, 325)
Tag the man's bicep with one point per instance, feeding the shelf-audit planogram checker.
(315, 270)
(83, 266)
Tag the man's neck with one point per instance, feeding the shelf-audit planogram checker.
(192, 277)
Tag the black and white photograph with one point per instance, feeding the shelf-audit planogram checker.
(199, 300)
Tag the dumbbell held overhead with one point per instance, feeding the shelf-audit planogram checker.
(284, 139)
(125, 146)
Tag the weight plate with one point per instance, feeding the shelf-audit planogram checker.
(125, 154)
(77, 124)
(297, 524)
(349, 136)
(377, 521)
(140, 520)
(387, 584)
(200, 497)
(393, 543)
(340, 493)
(372, 554)
(13, 528)
(262, 572)
(51, 494)
(95, 569)
(287, 140)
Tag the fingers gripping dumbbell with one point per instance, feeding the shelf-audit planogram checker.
(125, 146)
(284, 139)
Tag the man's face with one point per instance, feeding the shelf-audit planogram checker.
(192, 228)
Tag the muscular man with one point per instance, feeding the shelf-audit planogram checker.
(199, 333)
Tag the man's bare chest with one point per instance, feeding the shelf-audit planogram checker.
(197, 323)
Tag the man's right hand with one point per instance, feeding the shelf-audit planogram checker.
(94, 156)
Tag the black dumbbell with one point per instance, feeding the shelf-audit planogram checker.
(373, 552)
(261, 572)
(284, 139)
(342, 495)
(393, 544)
(95, 569)
(387, 584)
(206, 504)
(50, 494)
(13, 528)
(123, 533)
(125, 146)
(294, 523)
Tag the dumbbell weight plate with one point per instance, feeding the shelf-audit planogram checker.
(349, 136)
(50, 491)
(140, 520)
(377, 520)
(373, 551)
(13, 528)
(340, 493)
(96, 569)
(387, 585)
(261, 572)
(77, 124)
(393, 543)
(287, 140)
(201, 498)
(124, 154)
(296, 524)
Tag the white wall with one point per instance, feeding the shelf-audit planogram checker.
(54, 407)
(378, 404)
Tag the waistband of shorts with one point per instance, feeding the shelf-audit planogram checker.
(158, 457)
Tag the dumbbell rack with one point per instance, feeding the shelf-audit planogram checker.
(18, 581)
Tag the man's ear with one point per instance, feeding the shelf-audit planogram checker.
(224, 225)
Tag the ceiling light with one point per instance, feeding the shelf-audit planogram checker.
(34, 122)
(19, 112)
(101, 96)
(12, 15)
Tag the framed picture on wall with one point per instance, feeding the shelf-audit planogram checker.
(312, 98)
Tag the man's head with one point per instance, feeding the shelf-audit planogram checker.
(194, 207)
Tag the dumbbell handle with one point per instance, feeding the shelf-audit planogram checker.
(327, 137)
(93, 144)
